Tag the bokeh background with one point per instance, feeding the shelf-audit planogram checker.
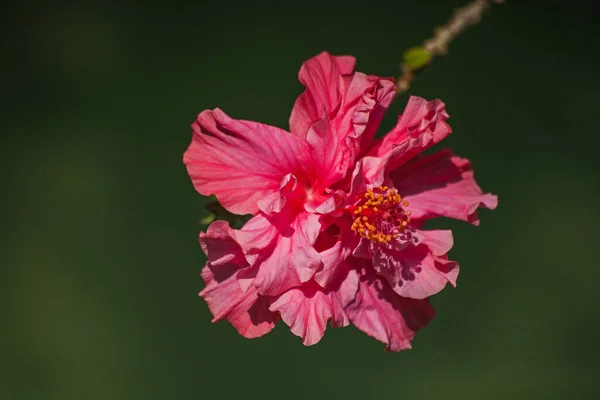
(99, 256)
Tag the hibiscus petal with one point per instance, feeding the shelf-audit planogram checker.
(220, 246)
(332, 260)
(247, 311)
(417, 271)
(239, 161)
(366, 248)
(335, 141)
(443, 185)
(281, 247)
(305, 310)
(323, 77)
(384, 315)
(368, 173)
(341, 292)
(330, 155)
(439, 241)
(337, 109)
(373, 96)
(275, 202)
(326, 203)
(421, 125)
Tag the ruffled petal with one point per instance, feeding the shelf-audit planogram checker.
(421, 125)
(325, 203)
(335, 246)
(239, 161)
(372, 95)
(280, 249)
(323, 76)
(220, 246)
(247, 311)
(368, 172)
(338, 113)
(417, 271)
(307, 308)
(415, 264)
(330, 155)
(336, 141)
(276, 201)
(332, 259)
(441, 185)
(342, 291)
(381, 313)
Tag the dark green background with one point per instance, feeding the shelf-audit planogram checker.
(99, 256)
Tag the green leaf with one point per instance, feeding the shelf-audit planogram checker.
(416, 58)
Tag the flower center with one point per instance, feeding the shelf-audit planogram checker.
(380, 214)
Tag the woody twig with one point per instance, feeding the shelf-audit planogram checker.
(418, 57)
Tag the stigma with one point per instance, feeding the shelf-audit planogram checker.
(380, 214)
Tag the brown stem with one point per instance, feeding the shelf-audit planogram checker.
(463, 17)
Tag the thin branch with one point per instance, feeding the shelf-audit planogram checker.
(462, 18)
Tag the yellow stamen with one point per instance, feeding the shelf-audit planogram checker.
(380, 215)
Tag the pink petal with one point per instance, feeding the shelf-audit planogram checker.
(337, 113)
(368, 173)
(371, 105)
(332, 259)
(417, 271)
(220, 246)
(239, 161)
(439, 241)
(336, 141)
(330, 155)
(366, 248)
(306, 309)
(281, 247)
(421, 125)
(325, 203)
(247, 311)
(323, 77)
(441, 184)
(384, 315)
(363, 249)
(342, 291)
(335, 246)
(276, 201)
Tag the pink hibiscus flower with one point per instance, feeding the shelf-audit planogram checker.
(336, 228)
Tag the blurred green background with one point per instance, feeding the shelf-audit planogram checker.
(99, 255)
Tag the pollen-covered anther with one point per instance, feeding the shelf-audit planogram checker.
(380, 214)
